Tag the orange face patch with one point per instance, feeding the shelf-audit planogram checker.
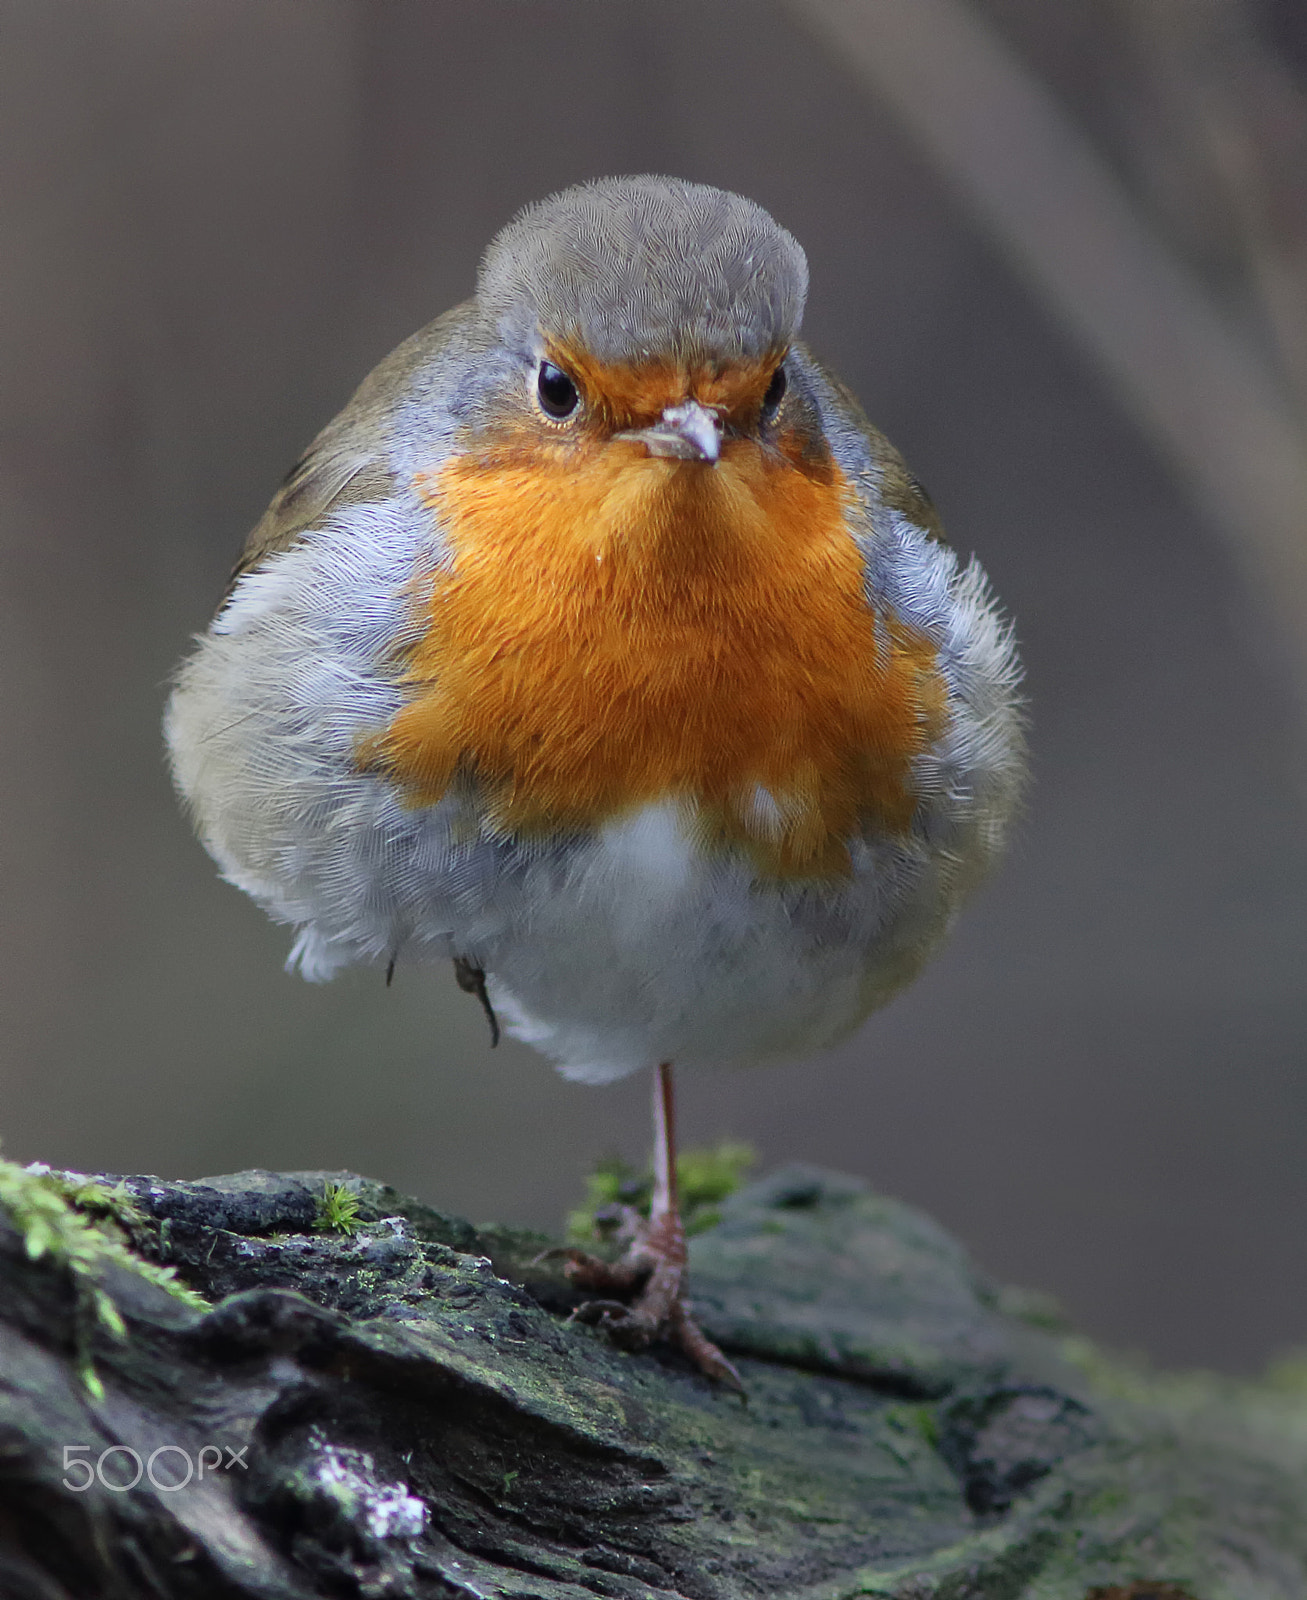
(616, 629)
(634, 396)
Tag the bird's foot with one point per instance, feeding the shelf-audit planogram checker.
(653, 1271)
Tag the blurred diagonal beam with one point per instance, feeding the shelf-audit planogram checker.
(1202, 392)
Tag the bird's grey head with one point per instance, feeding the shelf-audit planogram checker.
(633, 269)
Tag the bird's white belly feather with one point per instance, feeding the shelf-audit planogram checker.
(638, 947)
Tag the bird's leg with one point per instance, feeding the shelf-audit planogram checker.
(471, 979)
(654, 1261)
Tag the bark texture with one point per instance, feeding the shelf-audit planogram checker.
(402, 1410)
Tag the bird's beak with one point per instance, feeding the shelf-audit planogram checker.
(687, 432)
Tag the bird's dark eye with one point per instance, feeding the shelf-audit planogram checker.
(557, 392)
(775, 394)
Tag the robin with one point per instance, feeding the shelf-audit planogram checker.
(601, 645)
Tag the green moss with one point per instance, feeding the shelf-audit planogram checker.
(707, 1177)
(704, 1179)
(338, 1210)
(916, 1419)
(83, 1226)
(613, 1182)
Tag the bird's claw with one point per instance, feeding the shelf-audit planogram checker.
(593, 1272)
(657, 1311)
(704, 1353)
(554, 1252)
(595, 1313)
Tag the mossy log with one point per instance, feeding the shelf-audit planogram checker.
(384, 1401)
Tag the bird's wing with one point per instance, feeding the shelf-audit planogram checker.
(348, 463)
(895, 485)
(333, 472)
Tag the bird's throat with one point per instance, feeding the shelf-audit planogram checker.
(629, 630)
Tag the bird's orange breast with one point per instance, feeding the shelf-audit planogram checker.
(614, 630)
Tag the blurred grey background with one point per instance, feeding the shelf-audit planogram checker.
(216, 216)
